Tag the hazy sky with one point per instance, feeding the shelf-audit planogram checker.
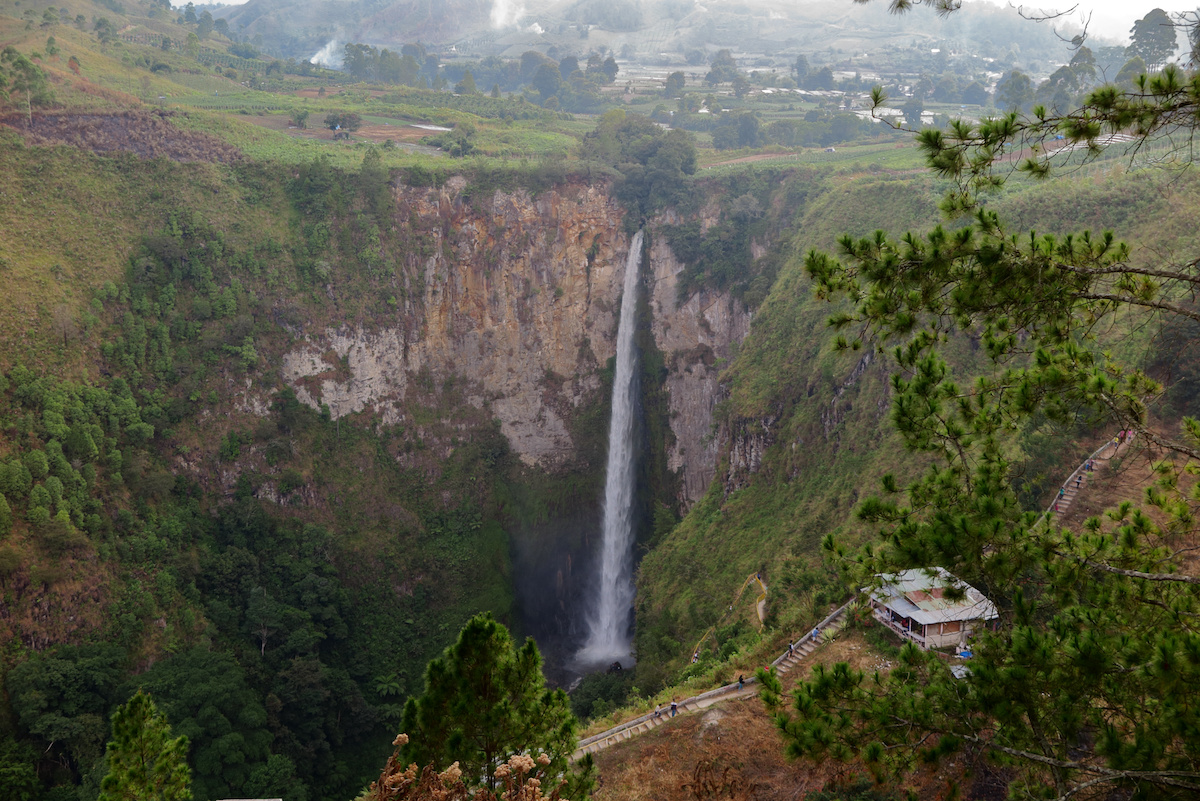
(1111, 18)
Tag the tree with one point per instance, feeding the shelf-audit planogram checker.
(300, 118)
(144, 761)
(467, 85)
(486, 701)
(912, 109)
(1091, 680)
(976, 94)
(62, 322)
(675, 85)
(723, 68)
(610, 69)
(343, 120)
(654, 164)
(206, 694)
(1014, 92)
(800, 69)
(547, 80)
(1083, 65)
(741, 86)
(821, 79)
(1152, 38)
(204, 25)
(530, 61)
(20, 76)
(1130, 72)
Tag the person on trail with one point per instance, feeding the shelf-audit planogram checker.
(791, 647)
(674, 707)
(658, 710)
(816, 635)
(741, 681)
(1078, 480)
(695, 657)
(1061, 492)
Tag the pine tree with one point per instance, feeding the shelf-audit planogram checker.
(144, 761)
(485, 701)
(1091, 683)
(1153, 38)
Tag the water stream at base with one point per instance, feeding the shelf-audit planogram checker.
(608, 637)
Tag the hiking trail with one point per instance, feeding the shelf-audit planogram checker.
(782, 664)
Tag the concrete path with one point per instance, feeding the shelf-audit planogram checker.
(1080, 477)
(782, 664)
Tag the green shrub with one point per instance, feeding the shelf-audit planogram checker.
(15, 480)
(10, 562)
(37, 464)
(40, 498)
(600, 693)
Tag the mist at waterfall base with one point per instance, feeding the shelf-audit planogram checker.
(559, 564)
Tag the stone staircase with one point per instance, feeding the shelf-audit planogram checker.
(1075, 483)
(782, 664)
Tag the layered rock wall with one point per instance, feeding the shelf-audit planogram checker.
(696, 334)
(517, 296)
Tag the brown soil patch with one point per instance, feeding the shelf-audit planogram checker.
(733, 751)
(1125, 476)
(371, 133)
(148, 134)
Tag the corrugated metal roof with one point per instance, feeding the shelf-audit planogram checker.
(920, 594)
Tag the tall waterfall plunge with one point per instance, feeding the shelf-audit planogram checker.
(608, 622)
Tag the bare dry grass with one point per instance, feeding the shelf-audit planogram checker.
(1126, 477)
(146, 134)
(734, 751)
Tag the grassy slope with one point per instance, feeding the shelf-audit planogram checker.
(69, 222)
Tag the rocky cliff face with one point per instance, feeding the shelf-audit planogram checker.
(517, 297)
(694, 334)
(515, 290)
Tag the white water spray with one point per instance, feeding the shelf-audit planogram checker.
(608, 625)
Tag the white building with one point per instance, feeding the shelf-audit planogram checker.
(914, 604)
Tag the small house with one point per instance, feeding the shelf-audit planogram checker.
(930, 607)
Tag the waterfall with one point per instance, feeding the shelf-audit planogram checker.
(608, 624)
